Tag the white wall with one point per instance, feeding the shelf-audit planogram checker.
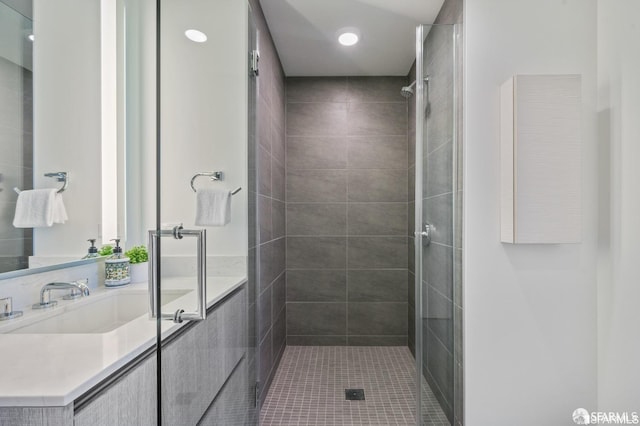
(619, 230)
(530, 310)
(67, 118)
(204, 116)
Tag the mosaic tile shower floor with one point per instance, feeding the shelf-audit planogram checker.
(309, 388)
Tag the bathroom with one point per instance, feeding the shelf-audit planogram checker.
(308, 294)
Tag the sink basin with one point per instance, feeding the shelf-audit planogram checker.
(100, 315)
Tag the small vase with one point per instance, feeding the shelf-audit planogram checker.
(139, 272)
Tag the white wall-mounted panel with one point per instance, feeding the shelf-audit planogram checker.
(541, 151)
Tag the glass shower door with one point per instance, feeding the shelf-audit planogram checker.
(203, 349)
(437, 241)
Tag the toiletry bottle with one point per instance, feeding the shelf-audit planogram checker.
(116, 268)
(93, 250)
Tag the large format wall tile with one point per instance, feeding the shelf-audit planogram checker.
(381, 119)
(438, 268)
(439, 171)
(313, 285)
(316, 185)
(316, 219)
(438, 212)
(279, 296)
(317, 119)
(377, 152)
(264, 124)
(378, 185)
(377, 252)
(317, 89)
(316, 252)
(377, 318)
(377, 218)
(377, 285)
(265, 221)
(278, 179)
(264, 172)
(278, 213)
(278, 141)
(316, 340)
(316, 152)
(354, 340)
(266, 358)
(264, 312)
(439, 362)
(307, 319)
(376, 89)
(279, 333)
(440, 317)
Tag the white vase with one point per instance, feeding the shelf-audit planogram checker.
(139, 272)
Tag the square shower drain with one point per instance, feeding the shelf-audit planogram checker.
(354, 394)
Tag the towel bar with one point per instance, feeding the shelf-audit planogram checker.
(60, 177)
(214, 176)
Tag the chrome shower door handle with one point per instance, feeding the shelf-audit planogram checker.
(426, 234)
(178, 233)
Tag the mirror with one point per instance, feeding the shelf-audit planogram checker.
(61, 110)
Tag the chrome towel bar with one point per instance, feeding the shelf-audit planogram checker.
(60, 177)
(214, 176)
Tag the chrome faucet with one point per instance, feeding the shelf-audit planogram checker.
(6, 309)
(78, 289)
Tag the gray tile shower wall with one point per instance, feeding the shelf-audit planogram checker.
(268, 152)
(16, 160)
(346, 211)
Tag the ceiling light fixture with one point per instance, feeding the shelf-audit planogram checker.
(31, 37)
(348, 38)
(195, 35)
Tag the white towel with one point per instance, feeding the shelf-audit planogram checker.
(213, 207)
(59, 211)
(35, 208)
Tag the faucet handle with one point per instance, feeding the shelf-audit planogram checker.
(6, 309)
(80, 291)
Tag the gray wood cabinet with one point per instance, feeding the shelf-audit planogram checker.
(196, 366)
(36, 416)
(130, 401)
(230, 406)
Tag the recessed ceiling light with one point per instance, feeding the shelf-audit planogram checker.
(348, 38)
(195, 35)
(31, 37)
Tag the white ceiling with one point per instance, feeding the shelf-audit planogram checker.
(305, 33)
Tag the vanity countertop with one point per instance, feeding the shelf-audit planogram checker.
(54, 369)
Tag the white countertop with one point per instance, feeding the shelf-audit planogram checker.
(54, 369)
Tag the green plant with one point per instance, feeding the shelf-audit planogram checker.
(137, 254)
(106, 250)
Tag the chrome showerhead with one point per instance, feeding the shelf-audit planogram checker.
(407, 91)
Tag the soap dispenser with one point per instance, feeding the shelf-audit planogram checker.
(116, 268)
(93, 250)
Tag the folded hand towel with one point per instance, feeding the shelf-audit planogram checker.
(59, 211)
(35, 208)
(213, 207)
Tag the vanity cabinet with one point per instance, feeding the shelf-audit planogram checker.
(131, 400)
(197, 364)
(203, 370)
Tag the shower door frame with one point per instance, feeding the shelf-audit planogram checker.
(420, 234)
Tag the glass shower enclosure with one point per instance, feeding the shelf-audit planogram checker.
(438, 233)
